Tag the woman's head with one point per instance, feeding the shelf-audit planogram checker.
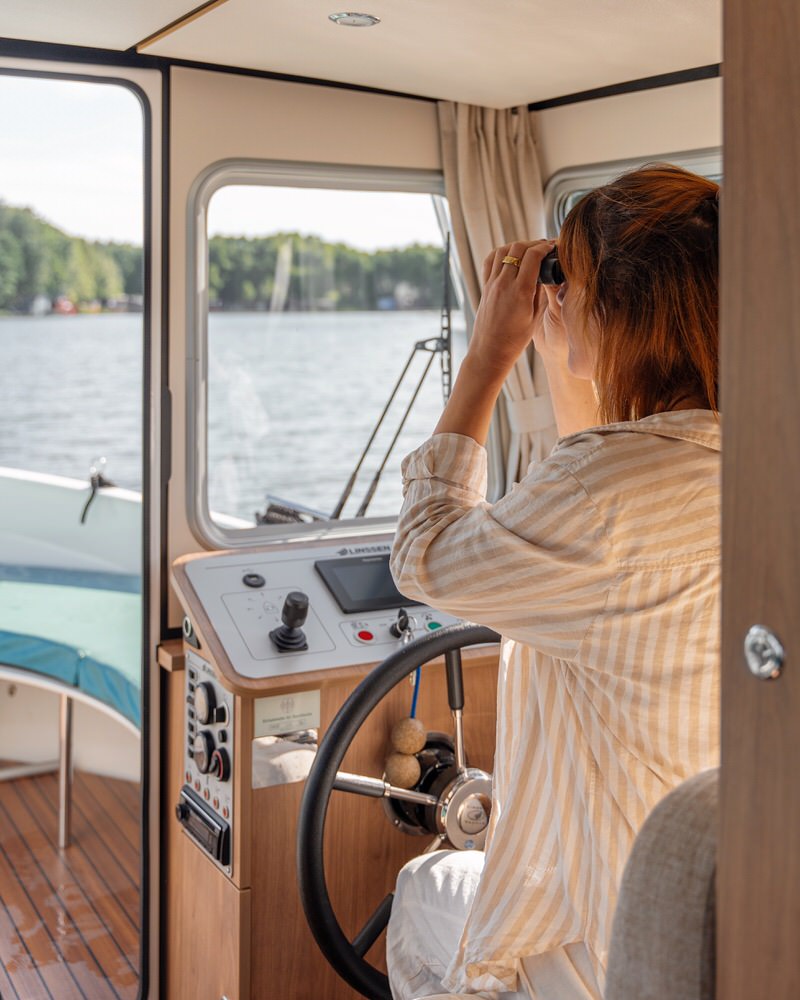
(643, 253)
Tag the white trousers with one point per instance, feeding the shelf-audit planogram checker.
(432, 898)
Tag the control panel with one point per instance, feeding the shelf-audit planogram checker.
(297, 608)
(206, 803)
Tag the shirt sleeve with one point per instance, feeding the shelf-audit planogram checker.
(536, 566)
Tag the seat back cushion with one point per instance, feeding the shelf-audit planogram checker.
(663, 939)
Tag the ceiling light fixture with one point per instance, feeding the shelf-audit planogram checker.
(352, 20)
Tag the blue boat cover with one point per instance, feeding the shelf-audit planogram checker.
(83, 629)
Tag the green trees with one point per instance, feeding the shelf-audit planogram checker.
(36, 260)
(285, 271)
(303, 273)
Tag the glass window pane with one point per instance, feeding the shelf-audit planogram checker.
(71, 333)
(317, 299)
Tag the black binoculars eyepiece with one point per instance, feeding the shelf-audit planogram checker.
(551, 273)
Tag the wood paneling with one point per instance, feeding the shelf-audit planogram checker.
(759, 859)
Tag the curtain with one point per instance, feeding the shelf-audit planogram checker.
(494, 189)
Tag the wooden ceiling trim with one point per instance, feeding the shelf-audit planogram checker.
(179, 23)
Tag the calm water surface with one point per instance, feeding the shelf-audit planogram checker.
(292, 401)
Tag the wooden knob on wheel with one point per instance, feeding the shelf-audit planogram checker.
(402, 770)
(408, 736)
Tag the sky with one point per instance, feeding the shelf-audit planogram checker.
(72, 152)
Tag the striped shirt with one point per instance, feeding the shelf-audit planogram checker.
(601, 570)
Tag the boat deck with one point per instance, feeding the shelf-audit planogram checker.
(69, 921)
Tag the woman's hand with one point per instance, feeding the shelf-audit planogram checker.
(504, 326)
(508, 315)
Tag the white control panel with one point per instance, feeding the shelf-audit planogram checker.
(243, 595)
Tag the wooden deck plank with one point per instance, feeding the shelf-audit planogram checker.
(24, 980)
(31, 923)
(128, 793)
(105, 929)
(68, 920)
(97, 831)
(99, 820)
(114, 879)
(97, 794)
(115, 900)
(77, 934)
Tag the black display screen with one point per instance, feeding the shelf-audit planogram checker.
(361, 583)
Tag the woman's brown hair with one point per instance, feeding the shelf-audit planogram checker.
(646, 250)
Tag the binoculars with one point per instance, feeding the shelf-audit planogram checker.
(550, 273)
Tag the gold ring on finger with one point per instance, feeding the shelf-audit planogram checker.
(516, 261)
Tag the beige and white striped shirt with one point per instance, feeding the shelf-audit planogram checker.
(602, 570)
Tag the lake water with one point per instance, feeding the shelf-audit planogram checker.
(292, 401)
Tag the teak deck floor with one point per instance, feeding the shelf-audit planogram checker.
(69, 921)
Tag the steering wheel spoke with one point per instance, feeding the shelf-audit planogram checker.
(373, 928)
(377, 788)
(455, 699)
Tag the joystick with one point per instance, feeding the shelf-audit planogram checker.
(290, 637)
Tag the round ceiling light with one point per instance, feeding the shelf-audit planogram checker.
(352, 20)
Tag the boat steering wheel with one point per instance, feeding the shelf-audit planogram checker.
(454, 808)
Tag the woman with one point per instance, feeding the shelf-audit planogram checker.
(601, 569)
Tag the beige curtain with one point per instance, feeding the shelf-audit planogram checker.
(494, 189)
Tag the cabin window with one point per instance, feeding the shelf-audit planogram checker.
(312, 292)
(566, 187)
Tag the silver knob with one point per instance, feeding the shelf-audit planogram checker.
(763, 652)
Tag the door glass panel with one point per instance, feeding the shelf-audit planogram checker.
(71, 334)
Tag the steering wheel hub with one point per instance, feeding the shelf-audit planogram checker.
(463, 811)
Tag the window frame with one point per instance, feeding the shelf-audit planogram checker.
(563, 183)
(270, 173)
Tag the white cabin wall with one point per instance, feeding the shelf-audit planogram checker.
(219, 116)
(649, 125)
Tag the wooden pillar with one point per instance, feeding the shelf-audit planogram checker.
(759, 859)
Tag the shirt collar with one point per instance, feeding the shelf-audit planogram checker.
(699, 426)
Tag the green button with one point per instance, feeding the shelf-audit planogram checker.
(434, 625)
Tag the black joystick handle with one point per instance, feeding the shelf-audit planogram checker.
(295, 609)
(290, 636)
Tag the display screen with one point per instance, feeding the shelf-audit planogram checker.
(362, 583)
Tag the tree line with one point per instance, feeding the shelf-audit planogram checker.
(284, 271)
(39, 261)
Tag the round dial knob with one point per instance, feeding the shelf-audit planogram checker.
(221, 764)
(203, 748)
(205, 702)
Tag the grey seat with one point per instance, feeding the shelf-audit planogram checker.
(663, 939)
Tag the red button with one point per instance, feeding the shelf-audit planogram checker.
(365, 636)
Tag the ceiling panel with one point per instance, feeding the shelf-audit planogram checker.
(112, 24)
(496, 54)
